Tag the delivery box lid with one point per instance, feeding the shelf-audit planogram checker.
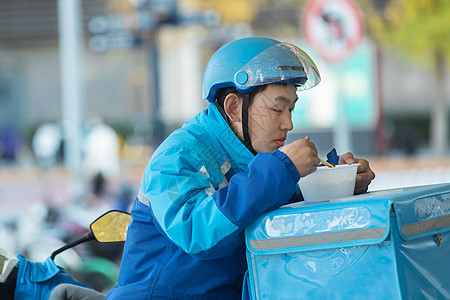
(326, 225)
(422, 211)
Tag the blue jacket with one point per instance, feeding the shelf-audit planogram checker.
(200, 190)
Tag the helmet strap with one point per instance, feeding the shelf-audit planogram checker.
(245, 106)
(220, 108)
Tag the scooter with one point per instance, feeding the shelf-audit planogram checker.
(22, 279)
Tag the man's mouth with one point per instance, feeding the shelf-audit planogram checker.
(279, 142)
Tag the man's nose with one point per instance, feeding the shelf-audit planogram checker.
(287, 122)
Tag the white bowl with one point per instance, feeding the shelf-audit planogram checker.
(329, 183)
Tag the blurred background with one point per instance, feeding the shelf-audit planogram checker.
(89, 88)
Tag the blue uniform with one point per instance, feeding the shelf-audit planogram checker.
(200, 190)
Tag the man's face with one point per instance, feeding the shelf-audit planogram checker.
(269, 117)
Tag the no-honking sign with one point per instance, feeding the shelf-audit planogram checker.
(334, 28)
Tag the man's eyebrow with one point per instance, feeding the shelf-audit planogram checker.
(285, 100)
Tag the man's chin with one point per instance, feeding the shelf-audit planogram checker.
(267, 148)
(271, 149)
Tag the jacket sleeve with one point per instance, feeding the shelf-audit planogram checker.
(206, 222)
(269, 182)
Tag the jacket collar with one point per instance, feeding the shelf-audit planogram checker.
(229, 141)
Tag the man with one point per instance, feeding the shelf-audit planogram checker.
(210, 179)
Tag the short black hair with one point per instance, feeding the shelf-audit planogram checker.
(223, 93)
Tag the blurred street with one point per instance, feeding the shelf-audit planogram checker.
(405, 172)
(21, 187)
(26, 183)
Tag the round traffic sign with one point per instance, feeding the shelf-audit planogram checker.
(334, 28)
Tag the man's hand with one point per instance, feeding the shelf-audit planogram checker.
(364, 176)
(303, 154)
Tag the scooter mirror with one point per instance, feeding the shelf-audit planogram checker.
(111, 226)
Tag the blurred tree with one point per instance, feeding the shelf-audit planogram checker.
(278, 18)
(418, 30)
(230, 10)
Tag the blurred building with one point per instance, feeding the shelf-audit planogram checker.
(133, 54)
(114, 83)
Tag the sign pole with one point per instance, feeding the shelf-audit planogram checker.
(342, 138)
(334, 28)
(70, 41)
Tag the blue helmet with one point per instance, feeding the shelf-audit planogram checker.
(253, 61)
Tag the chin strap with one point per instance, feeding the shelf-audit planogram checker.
(245, 104)
(221, 110)
(247, 141)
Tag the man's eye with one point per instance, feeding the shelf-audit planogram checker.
(278, 111)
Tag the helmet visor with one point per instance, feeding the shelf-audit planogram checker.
(280, 63)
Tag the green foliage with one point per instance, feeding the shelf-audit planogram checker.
(416, 29)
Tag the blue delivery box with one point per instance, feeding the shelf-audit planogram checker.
(391, 244)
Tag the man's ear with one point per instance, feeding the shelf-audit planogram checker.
(232, 106)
